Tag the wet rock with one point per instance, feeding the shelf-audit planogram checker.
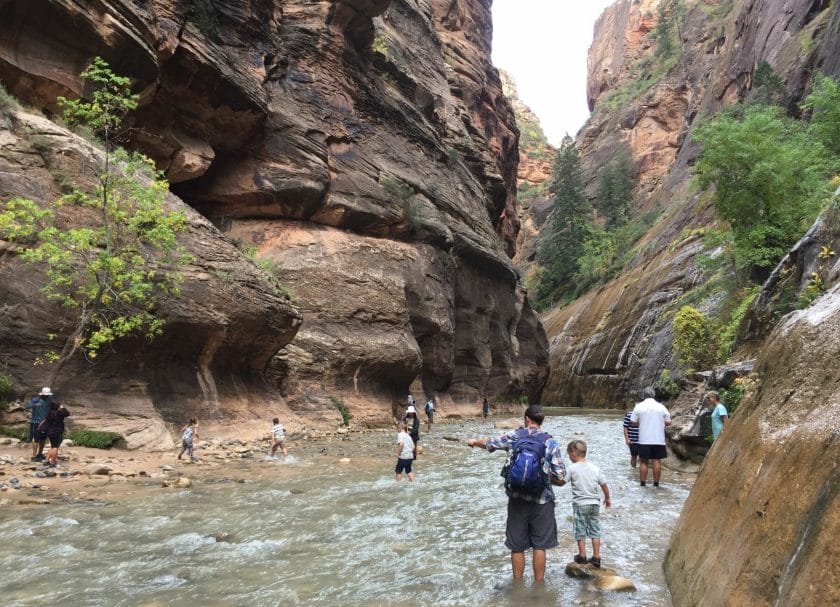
(222, 536)
(614, 583)
(179, 483)
(33, 501)
(577, 570)
(99, 469)
(400, 548)
(508, 424)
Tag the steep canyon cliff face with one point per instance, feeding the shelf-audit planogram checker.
(363, 148)
(616, 339)
(761, 523)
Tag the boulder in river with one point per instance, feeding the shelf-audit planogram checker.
(603, 579)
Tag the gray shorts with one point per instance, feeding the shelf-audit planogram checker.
(530, 525)
(587, 522)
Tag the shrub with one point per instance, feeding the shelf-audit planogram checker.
(94, 438)
(19, 432)
(8, 103)
(694, 339)
(5, 385)
(730, 329)
(667, 385)
(343, 410)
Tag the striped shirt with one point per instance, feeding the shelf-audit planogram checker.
(632, 431)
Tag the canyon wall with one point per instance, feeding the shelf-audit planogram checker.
(362, 149)
(760, 525)
(616, 339)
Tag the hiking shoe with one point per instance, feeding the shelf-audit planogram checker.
(595, 562)
(581, 559)
(38, 458)
(655, 483)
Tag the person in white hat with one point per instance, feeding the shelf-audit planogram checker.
(39, 405)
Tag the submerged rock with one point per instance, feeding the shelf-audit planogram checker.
(602, 578)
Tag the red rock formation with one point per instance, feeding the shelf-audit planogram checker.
(382, 121)
(720, 50)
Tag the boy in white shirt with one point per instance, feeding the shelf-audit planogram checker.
(405, 453)
(585, 478)
(278, 436)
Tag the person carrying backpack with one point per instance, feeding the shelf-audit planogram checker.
(430, 413)
(534, 464)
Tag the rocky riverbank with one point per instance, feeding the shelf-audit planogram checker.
(226, 451)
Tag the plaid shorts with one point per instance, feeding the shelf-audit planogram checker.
(587, 523)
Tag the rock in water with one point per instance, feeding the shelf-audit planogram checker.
(577, 570)
(614, 583)
(602, 579)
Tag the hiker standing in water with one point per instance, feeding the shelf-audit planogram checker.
(530, 518)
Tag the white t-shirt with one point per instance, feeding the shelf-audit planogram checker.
(279, 432)
(651, 415)
(407, 445)
(586, 480)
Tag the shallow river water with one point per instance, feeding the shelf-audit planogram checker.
(339, 534)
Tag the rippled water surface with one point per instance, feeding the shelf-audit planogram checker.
(336, 534)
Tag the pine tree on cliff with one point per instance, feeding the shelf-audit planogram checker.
(615, 191)
(110, 272)
(561, 243)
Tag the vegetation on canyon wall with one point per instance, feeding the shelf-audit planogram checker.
(112, 270)
(765, 167)
(579, 248)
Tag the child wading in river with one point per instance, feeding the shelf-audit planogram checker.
(585, 478)
(278, 436)
(405, 453)
(188, 434)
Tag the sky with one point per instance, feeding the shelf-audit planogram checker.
(543, 45)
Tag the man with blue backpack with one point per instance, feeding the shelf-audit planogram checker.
(534, 464)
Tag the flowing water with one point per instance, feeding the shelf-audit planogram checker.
(338, 534)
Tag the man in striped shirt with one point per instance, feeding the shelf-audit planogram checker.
(631, 438)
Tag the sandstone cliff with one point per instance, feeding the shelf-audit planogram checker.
(617, 338)
(364, 147)
(760, 524)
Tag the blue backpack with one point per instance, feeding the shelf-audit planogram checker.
(523, 471)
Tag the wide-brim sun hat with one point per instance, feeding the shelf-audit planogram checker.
(46, 391)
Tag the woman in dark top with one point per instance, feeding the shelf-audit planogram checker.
(54, 429)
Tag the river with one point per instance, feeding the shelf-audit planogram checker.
(339, 534)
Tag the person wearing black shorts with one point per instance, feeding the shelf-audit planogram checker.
(651, 417)
(530, 516)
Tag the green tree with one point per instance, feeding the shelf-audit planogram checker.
(113, 270)
(768, 88)
(669, 18)
(615, 191)
(561, 243)
(770, 178)
(824, 105)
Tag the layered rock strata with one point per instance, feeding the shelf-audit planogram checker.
(374, 131)
(616, 339)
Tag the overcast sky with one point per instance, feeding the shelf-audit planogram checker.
(543, 45)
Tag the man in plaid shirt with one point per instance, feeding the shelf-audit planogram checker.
(530, 520)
